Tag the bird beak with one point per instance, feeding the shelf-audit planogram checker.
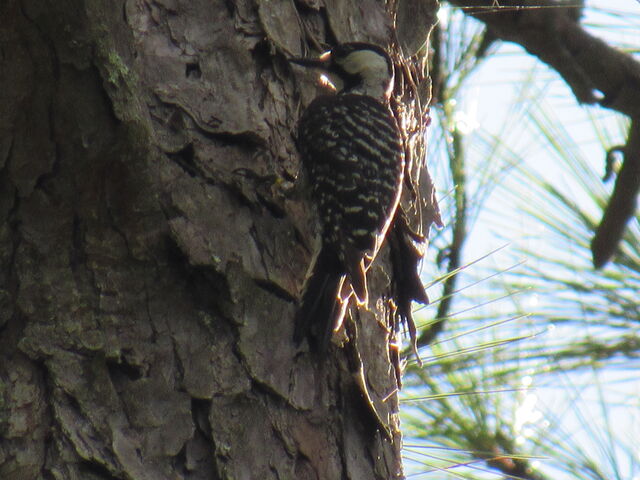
(322, 62)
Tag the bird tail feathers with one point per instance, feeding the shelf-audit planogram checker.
(320, 307)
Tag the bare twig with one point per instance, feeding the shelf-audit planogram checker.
(596, 72)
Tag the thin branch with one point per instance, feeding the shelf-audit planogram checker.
(596, 72)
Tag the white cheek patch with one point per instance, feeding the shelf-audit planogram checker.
(362, 60)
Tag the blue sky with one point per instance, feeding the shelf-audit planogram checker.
(489, 106)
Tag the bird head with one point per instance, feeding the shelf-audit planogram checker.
(360, 68)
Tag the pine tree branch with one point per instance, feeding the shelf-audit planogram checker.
(596, 72)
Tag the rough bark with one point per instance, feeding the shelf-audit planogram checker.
(151, 253)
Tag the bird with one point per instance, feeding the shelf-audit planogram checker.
(352, 158)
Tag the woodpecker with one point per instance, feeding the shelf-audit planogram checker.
(353, 158)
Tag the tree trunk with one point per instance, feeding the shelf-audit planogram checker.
(151, 253)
